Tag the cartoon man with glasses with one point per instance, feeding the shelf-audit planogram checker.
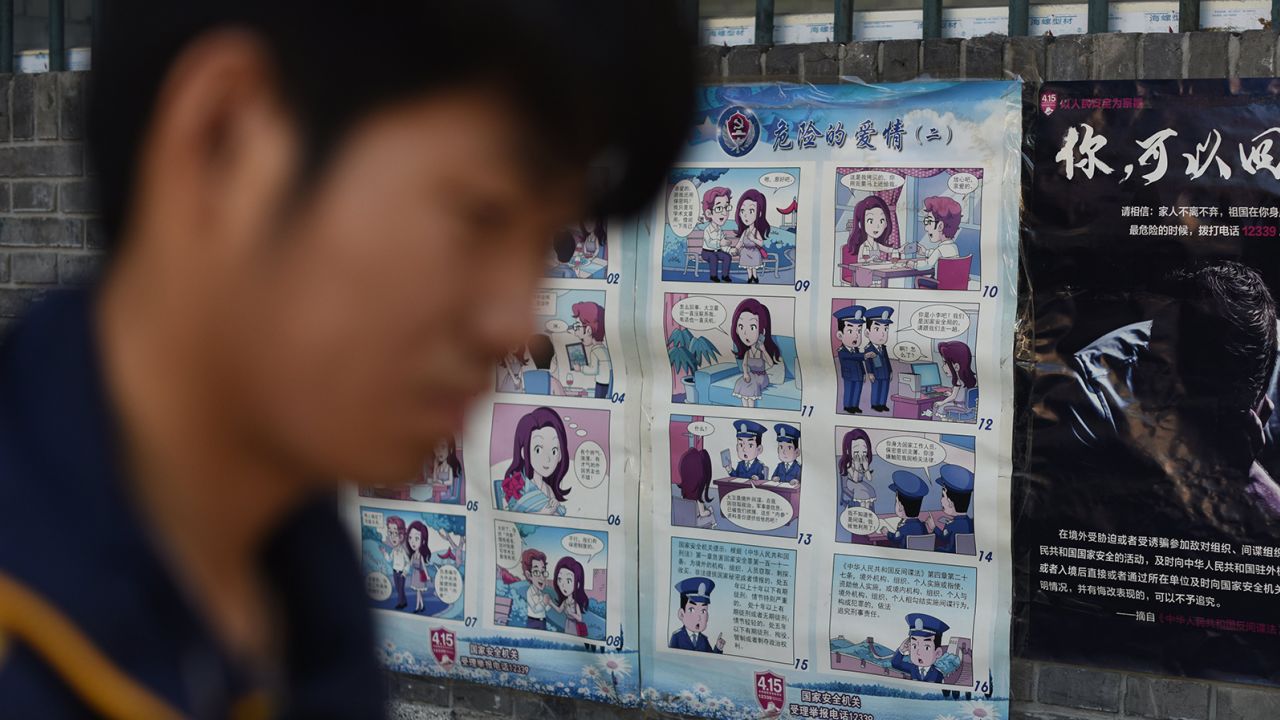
(534, 563)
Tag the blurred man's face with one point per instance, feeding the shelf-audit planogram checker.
(378, 305)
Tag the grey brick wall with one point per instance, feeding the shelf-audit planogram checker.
(48, 237)
(46, 208)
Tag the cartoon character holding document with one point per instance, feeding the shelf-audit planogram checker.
(694, 613)
(750, 434)
(922, 648)
(911, 489)
(957, 492)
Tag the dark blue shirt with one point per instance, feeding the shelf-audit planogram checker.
(93, 593)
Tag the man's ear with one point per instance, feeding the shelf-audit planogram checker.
(939, 652)
(680, 614)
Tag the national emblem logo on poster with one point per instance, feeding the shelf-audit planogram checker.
(444, 647)
(1048, 102)
(771, 692)
(739, 131)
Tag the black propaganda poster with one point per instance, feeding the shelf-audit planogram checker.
(1147, 514)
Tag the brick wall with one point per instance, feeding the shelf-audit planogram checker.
(48, 237)
(47, 232)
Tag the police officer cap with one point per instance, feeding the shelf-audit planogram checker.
(749, 428)
(954, 477)
(697, 589)
(787, 433)
(921, 625)
(853, 313)
(880, 314)
(909, 484)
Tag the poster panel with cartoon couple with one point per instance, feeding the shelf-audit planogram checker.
(906, 359)
(551, 578)
(580, 251)
(735, 475)
(904, 620)
(918, 228)
(733, 351)
(568, 356)
(907, 490)
(732, 225)
(441, 480)
(550, 460)
(414, 562)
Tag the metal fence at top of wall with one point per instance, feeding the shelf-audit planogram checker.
(846, 21)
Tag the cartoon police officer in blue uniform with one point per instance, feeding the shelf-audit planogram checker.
(922, 648)
(957, 492)
(694, 613)
(879, 370)
(910, 489)
(853, 368)
(750, 441)
(788, 469)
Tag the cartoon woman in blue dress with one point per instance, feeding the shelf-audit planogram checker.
(539, 462)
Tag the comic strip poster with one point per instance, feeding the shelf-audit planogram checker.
(510, 558)
(823, 309)
(1148, 496)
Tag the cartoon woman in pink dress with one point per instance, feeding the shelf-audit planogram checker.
(753, 230)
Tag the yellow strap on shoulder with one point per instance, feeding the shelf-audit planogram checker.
(26, 617)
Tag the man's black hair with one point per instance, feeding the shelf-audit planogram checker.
(872, 323)
(960, 499)
(684, 601)
(601, 84)
(564, 246)
(1225, 333)
(911, 506)
(848, 323)
(541, 351)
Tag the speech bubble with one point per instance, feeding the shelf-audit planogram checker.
(872, 180)
(701, 428)
(557, 326)
(756, 509)
(573, 426)
(939, 322)
(580, 433)
(683, 208)
(699, 313)
(777, 180)
(962, 183)
(372, 518)
(907, 351)
(581, 543)
(859, 520)
(448, 584)
(377, 586)
(544, 302)
(509, 544)
(911, 451)
(589, 464)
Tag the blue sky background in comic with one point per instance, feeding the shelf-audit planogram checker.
(553, 317)
(932, 448)
(374, 563)
(777, 501)
(514, 538)
(863, 632)
(751, 583)
(906, 200)
(973, 125)
(681, 259)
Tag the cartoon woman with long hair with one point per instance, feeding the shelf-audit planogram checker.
(539, 461)
(754, 347)
(572, 598)
(588, 326)
(753, 230)
(443, 470)
(855, 471)
(957, 370)
(870, 239)
(419, 557)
